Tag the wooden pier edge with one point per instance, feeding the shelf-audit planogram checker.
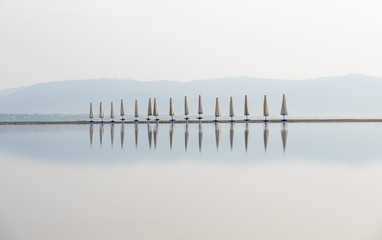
(190, 121)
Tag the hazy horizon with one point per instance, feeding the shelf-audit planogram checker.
(46, 40)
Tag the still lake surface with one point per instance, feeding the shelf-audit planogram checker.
(256, 181)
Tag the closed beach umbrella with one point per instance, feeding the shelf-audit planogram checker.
(136, 114)
(91, 112)
(156, 112)
(112, 114)
(122, 111)
(246, 108)
(284, 109)
(231, 111)
(101, 113)
(149, 110)
(171, 112)
(200, 108)
(265, 109)
(217, 110)
(186, 112)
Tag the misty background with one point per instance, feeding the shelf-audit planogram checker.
(350, 96)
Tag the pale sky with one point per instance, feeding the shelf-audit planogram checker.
(55, 40)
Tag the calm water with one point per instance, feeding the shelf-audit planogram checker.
(294, 181)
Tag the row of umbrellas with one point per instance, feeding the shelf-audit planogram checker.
(153, 111)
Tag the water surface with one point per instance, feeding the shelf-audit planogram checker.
(256, 181)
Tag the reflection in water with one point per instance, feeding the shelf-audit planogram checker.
(91, 133)
(136, 135)
(231, 135)
(122, 134)
(265, 135)
(149, 134)
(101, 133)
(156, 132)
(284, 135)
(217, 135)
(171, 133)
(186, 138)
(112, 130)
(246, 136)
(200, 137)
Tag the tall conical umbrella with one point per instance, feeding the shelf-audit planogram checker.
(246, 136)
(136, 114)
(101, 113)
(91, 112)
(101, 133)
(156, 133)
(171, 112)
(246, 108)
(149, 134)
(231, 111)
(122, 135)
(112, 114)
(186, 138)
(265, 136)
(284, 109)
(231, 135)
(122, 111)
(112, 132)
(200, 108)
(171, 133)
(186, 112)
(284, 136)
(149, 110)
(217, 135)
(156, 112)
(217, 110)
(136, 133)
(91, 133)
(265, 109)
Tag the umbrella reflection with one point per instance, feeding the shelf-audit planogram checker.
(136, 135)
(149, 134)
(246, 136)
(217, 135)
(156, 132)
(265, 136)
(200, 137)
(91, 133)
(186, 138)
(101, 133)
(284, 135)
(122, 134)
(171, 133)
(112, 130)
(231, 135)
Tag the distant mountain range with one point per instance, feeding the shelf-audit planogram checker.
(346, 96)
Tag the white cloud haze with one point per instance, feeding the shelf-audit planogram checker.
(53, 40)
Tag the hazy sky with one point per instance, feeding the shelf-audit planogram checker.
(54, 40)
